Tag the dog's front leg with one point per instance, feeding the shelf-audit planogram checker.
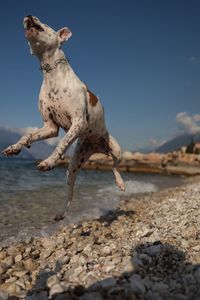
(68, 139)
(48, 131)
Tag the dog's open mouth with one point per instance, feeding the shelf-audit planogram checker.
(29, 23)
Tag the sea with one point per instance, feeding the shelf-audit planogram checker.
(30, 199)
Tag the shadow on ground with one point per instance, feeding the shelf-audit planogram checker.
(161, 273)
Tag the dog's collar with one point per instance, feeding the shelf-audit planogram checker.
(48, 68)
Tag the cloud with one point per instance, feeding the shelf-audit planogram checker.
(194, 60)
(189, 124)
(149, 145)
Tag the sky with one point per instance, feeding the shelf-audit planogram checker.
(141, 57)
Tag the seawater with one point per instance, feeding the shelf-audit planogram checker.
(30, 199)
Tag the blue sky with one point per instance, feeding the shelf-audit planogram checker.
(142, 58)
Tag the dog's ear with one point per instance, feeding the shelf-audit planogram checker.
(64, 34)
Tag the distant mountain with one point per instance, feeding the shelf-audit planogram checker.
(178, 142)
(38, 150)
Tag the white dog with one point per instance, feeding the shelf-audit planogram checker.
(66, 102)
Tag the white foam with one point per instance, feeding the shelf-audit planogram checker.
(132, 187)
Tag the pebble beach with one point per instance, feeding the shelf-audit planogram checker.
(146, 248)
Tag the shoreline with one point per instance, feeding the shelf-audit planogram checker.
(147, 248)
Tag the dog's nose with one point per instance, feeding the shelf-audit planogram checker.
(29, 16)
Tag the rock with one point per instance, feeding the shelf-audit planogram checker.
(91, 296)
(3, 295)
(45, 253)
(105, 251)
(65, 260)
(108, 283)
(8, 261)
(137, 284)
(154, 296)
(197, 275)
(49, 244)
(63, 296)
(3, 268)
(153, 250)
(145, 231)
(13, 289)
(3, 255)
(108, 267)
(42, 295)
(20, 282)
(52, 280)
(59, 253)
(27, 251)
(18, 258)
(19, 273)
(30, 265)
(190, 232)
(55, 289)
(127, 265)
(160, 287)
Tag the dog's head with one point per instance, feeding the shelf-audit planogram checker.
(41, 37)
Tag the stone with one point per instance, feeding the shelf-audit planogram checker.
(3, 255)
(13, 288)
(108, 283)
(63, 296)
(30, 265)
(55, 289)
(45, 253)
(91, 296)
(3, 268)
(105, 251)
(108, 267)
(52, 280)
(19, 273)
(197, 275)
(42, 295)
(65, 260)
(137, 284)
(3, 295)
(59, 253)
(153, 250)
(8, 261)
(18, 257)
(49, 244)
(159, 287)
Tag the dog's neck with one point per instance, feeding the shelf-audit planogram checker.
(53, 64)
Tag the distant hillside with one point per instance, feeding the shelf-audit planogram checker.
(39, 150)
(178, 142)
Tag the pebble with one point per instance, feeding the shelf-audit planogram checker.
(137, 284)
(151, 254)
(91, 296)
(105, 251)
(18, 258)
(52, 280)
(3, 268)
(108, 283)
(55, 289)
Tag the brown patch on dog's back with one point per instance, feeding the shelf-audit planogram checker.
(92, 98)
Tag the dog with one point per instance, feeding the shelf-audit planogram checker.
(66, 102)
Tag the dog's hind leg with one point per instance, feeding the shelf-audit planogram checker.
(83, 150)
(116, 153)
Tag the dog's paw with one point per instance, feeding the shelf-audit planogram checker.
(11, 150)
(45, 165)
(59, 217)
